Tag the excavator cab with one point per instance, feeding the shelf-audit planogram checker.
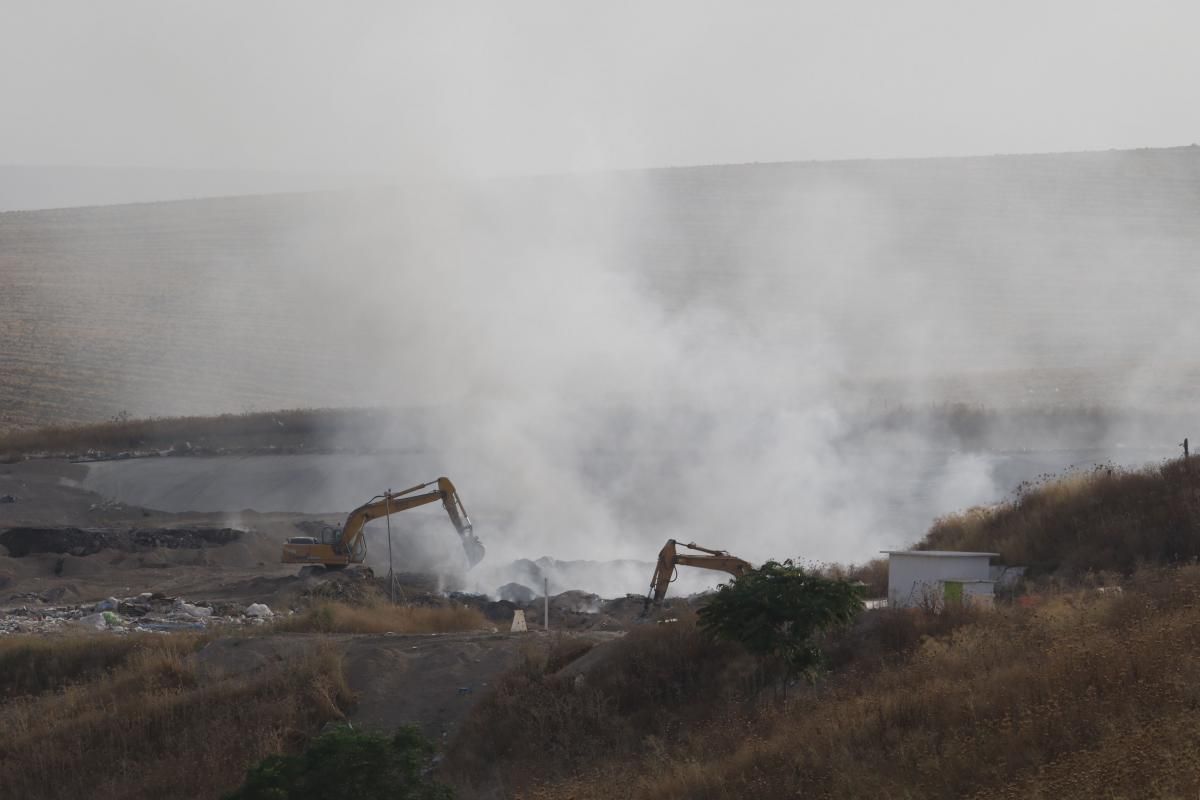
(344, 546)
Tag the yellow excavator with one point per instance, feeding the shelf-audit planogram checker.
(341, 547)
(669, 559)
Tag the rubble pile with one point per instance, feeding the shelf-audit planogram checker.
(21, 542)
(572, 610)
(500, 611)
(149, 611)
(350, 588)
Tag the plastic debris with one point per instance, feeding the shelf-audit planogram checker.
(199, 612)
(145, 612)
(260, 610)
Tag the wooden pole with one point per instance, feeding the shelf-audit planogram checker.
(387, 515)
(546, 599)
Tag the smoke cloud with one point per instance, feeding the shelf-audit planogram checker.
(602, 360)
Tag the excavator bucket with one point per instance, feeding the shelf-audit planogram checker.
(473, 547)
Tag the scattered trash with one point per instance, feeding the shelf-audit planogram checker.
(191, 610)
(259, 610)
(144, 612)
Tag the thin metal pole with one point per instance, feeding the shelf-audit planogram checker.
(387, 513)
(546, 598)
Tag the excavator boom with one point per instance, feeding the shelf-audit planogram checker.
(347, 546)
(669, 558)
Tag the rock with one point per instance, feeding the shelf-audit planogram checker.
(134, 608)
(94, 622)
(109, 604)
(258, 610)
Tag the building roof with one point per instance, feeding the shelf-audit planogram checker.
(937, 553)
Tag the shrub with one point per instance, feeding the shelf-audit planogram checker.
(777, 611)
(346, 764)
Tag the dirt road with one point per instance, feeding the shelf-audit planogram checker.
(430, 680)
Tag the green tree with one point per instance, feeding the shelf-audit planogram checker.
(778, 610)
(347, 764)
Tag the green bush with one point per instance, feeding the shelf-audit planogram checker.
(347, 764)
(777, 611)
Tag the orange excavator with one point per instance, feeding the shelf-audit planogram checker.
(341, 547)
(669, 559)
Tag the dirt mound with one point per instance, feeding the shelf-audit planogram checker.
(21, 542)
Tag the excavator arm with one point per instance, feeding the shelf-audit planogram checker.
(669, 558)
(348, 546)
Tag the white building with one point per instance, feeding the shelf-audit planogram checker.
(930, 578)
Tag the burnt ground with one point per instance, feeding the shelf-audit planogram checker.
(60, 540)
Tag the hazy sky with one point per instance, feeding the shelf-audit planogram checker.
(511, 87)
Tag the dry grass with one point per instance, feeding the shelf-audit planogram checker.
(874, 574)
(537, 724)
(143, 721)
(382, 618)
(1107, 519)
(34, 665)
(1090, 695)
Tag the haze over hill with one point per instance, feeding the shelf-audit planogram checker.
(587, 337)
(26, 188)
(1079, 264)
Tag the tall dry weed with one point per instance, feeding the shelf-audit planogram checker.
(1089, 695)
(542, 723)
(156, 727)
(1106, 519)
